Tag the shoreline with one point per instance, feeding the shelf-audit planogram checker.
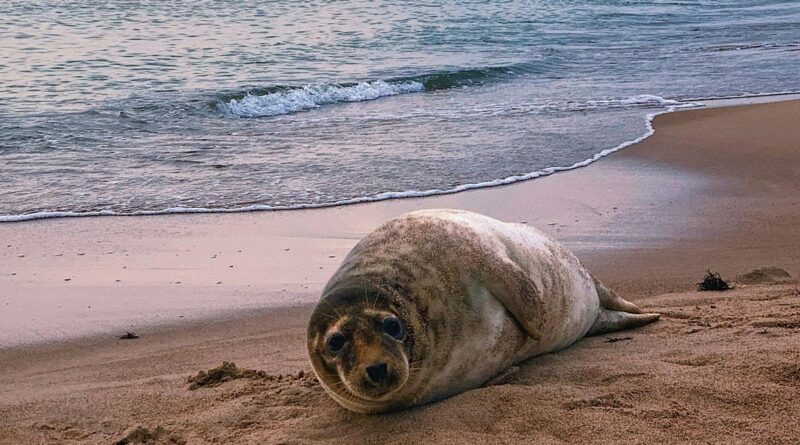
(689, 104)
(715, 188)
(615, 214)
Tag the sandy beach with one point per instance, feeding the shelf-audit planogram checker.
(714, 188)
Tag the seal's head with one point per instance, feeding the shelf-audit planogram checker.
(361, 345)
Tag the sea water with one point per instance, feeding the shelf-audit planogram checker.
(131, 107)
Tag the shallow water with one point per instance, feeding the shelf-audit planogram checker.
(144, 106)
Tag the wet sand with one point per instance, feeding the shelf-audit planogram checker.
(716, 188)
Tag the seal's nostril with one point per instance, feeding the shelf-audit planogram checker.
(378, 373)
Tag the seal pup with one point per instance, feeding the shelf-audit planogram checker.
(437, 302)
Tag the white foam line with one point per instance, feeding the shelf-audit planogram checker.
(778, 96)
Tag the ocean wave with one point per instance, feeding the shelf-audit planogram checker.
(280, 100)
(293, 100)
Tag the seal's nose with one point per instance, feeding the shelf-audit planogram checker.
(378, 373)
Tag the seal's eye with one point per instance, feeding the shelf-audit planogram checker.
(393, 328)
(336, 343)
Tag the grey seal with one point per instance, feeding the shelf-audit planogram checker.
(437, 302)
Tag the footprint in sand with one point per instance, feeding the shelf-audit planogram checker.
(785, 324)
(624, 376)
(697, 360)
(606, 401)
(788, 374)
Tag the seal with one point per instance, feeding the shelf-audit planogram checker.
(437, 302)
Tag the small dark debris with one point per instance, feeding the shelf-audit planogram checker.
(67, 279)
(713, 282)
(128, 336)
(616, 339)
(219, 282)
(331, 256)
(221, 374)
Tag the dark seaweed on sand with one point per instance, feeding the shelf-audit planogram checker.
(221, 374)
(713, 281)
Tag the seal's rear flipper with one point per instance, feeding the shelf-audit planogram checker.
(611, 301)
(610, 321)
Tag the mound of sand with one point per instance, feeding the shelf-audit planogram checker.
(224, 373)
(765, 275)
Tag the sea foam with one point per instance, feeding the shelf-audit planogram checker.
(639, 100)
(306, 98)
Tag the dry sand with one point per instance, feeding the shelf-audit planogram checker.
(713, 188)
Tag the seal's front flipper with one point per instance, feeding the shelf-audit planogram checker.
(610, 321)
(500, 379)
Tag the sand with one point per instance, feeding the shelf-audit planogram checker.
(715, 188)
